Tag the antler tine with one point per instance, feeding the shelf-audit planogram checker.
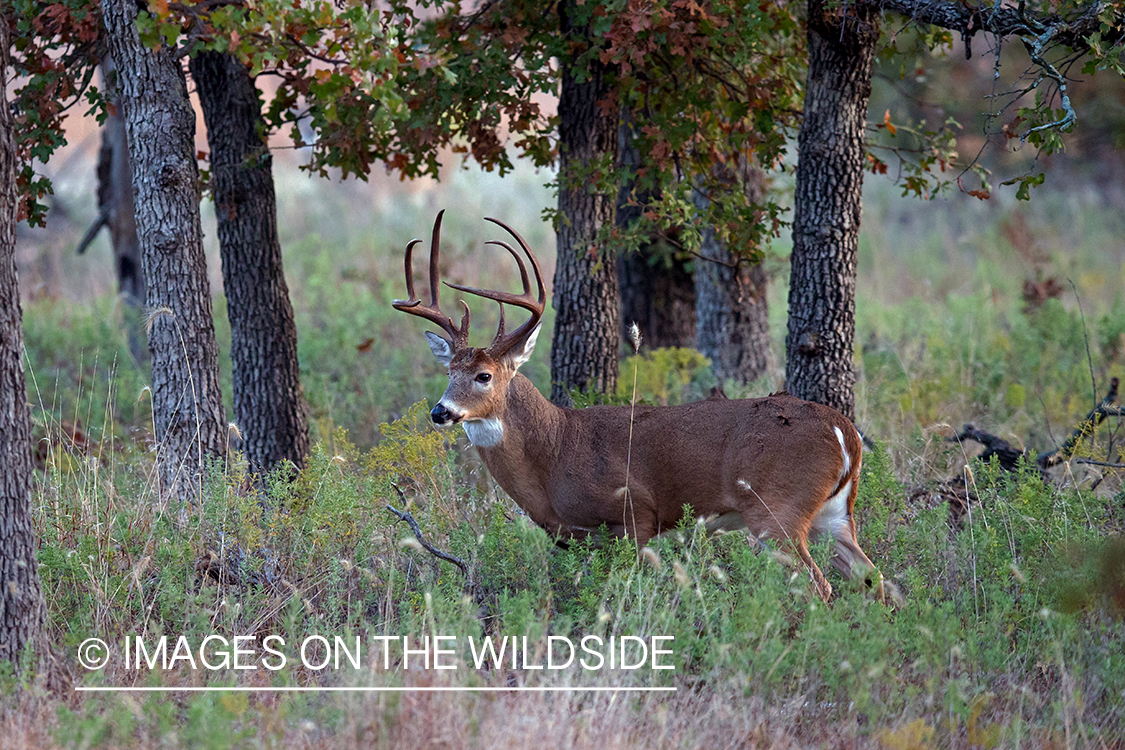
(534, 262)
(409, 268)
(432, 312)
(519, 262)
(500, 329)
(435, 249)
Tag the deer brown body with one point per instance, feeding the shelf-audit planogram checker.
(780, 467)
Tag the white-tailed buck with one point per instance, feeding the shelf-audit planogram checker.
(778, 466)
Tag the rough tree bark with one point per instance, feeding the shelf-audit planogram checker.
(732, 310)
(585, 345)
(268, 407)
(187, 403)
(731, 304)
(827, 204)
(21, 598)
(657, 291)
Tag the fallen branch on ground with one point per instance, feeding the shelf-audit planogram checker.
(1096, 416)
(404, 515)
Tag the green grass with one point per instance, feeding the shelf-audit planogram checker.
(1008, 634)
(1011, 635)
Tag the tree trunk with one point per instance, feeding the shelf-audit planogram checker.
(819, 344)
(115, 202)
(732, 313)
(658, 294)
(187, 402)
(657, 291)
(731, 306)
(586, 340)
(21, 598)
(267, 391)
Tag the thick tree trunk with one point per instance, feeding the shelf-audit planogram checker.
(585, 346)
(187, 402)
(21, 598)
(267, 391)
(819, 344)
(731, 306)
(657, 291)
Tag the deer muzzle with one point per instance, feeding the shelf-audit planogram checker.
(441, 415)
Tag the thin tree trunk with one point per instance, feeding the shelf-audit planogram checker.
(828, 199)
(657, 291)
(585, 346)
(21, 598)
(731, 303)
(187, 402)
(115, 201)
(267, 391)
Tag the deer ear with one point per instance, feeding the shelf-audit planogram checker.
(522, 352)
(441, 348)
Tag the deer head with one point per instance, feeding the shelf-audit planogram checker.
(478, 378)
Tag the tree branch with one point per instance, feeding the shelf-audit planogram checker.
(1096, 416)
(1091, 462)
(404, 515)
(1001, 20)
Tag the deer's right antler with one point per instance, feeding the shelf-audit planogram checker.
(459, 336)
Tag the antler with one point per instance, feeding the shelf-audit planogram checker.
(431, 312)
(501, 344)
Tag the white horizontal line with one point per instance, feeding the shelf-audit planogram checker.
(362, 689)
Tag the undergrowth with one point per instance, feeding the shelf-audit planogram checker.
(1003, 641)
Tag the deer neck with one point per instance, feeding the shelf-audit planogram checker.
(524, 435)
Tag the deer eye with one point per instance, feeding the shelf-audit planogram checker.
(484, 377)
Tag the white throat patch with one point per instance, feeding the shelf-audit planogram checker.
(484, 433)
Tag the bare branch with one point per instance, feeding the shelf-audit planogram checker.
(404, 515)
(1091, 462)
(1001, 20)
(1096, 416)
(1039, 33)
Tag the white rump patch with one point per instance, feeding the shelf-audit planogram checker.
(833, 515)
(484, 433)
(844, 450)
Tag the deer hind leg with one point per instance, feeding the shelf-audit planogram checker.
(835, 520)
(822, 586)
(851, 561)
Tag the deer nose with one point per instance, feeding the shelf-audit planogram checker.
(440, 415)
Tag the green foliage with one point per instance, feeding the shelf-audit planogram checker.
(54, 54)
(996, 609)
(664, 376)
(1111, 330)
(710, 91)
